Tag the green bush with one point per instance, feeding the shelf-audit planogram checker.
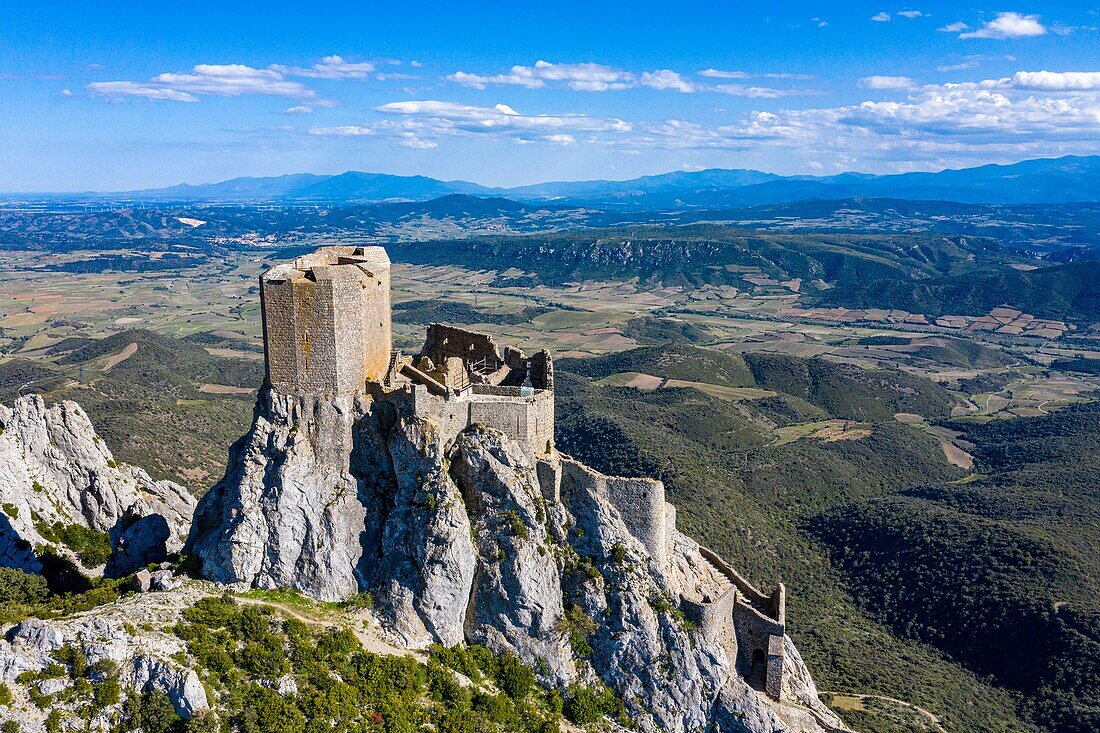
(152, 712)
(17, 586)
(515, 680)
(585, 705)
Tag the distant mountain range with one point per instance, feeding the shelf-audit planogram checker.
(1058, 180)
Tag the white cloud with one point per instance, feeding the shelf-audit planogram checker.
(227, 80)
(667, 79)
(1058, 81)
(410, 140)
(66, 93)
(1009, 25)
(961, 66)
(887, 82)
(756, 92)
(422, 124)
(118, 90)
(882, 17)
(342, 131)
(717, 74)
(586, 77)
(957, 27)
(519, 76)
(298, 109)
(232, 80)
(330, 67)
(911, 14)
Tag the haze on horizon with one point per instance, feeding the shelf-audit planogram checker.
(110, 98)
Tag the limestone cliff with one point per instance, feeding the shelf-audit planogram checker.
(55, 471)
(470, 542)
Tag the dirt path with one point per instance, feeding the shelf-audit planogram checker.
(225, 389)
(120, 357)
(364, 627)
(928, 714)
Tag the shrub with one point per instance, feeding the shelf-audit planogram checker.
(106, 693)
(577, 627)
(205, 721)
(152, 712)
(514, 679)
(74, 657)
(214, 613)
(584, 705)
(17, 586)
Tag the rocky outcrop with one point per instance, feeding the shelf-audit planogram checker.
(143, 659)
(55, 469)
(470, 542)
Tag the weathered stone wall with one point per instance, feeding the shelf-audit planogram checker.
(773, 680)
(639, 501)
(754, 630)
(541, 368)
(326, 321)
(443, 341)
(528, 420)
(280, 341)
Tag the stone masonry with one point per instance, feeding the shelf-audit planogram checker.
(326, 321)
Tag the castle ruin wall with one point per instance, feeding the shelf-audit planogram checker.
(639, 501)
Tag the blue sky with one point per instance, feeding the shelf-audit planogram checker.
(112, 96)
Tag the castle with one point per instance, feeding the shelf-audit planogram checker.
(327, 333)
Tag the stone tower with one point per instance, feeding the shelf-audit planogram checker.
(326, 321)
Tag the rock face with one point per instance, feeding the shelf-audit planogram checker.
(54, 468)
(470, 542)
(145, 659)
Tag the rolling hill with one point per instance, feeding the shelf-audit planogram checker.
(1062, 292)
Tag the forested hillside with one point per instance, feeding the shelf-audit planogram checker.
(1063, 293)
(694, 255)
(1001, 572)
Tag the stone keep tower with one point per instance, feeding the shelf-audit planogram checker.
(326, 320)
